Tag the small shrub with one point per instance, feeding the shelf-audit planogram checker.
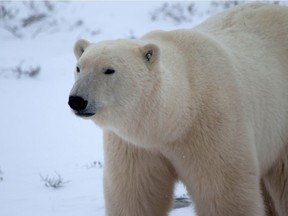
(131, 35)
(16, 16)
(30, 72)
(176, 12)
(217, 6)
(94, 164)
(21, 70)
(30, 20)
(55, 181)
(185, 12)
(1, 175)
(226, 4)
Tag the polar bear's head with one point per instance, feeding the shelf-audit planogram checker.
(113, 78)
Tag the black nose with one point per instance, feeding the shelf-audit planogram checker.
(77, 103)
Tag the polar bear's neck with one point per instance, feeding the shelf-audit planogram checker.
(164, 114)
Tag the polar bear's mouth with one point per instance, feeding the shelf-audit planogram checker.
(84, 114)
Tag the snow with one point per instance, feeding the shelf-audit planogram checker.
(39, 133)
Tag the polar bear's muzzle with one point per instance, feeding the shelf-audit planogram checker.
(80, 106)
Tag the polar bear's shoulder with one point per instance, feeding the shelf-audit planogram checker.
(246, 15)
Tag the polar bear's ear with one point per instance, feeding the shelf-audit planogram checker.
(150, 53)
(80, 47)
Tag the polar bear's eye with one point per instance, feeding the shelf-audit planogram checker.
(109, 71)
(148, 55)
(77, 69)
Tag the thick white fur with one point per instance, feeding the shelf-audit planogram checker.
(208, 106)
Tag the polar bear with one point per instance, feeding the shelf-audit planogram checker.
(207, 106)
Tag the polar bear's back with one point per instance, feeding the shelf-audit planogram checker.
(256, 35)
(253, 38)
(254, 17)
(256, 38)
(251, 28)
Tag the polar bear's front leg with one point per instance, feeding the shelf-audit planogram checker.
(136, 182)
(276, 181)
(221, 183)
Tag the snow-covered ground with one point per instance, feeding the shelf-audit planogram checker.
(39, 135)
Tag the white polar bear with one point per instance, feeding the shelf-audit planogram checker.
(207, 106)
